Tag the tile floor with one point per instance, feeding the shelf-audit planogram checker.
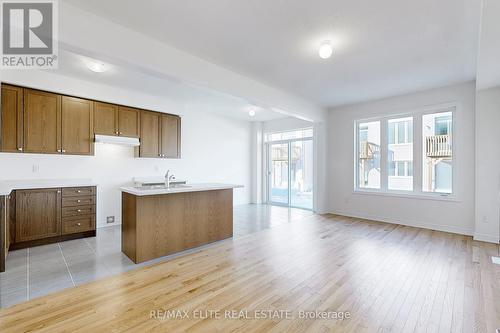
(41, 270)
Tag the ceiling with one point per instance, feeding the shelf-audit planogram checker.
(382, 48)
(192, 97)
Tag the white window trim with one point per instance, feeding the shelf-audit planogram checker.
(417, 191)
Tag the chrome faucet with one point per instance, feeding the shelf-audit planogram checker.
(168, 179)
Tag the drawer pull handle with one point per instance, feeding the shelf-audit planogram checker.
(78, 201)
(79, 210)
(78, 224)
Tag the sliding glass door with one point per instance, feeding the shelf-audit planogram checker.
(301, 174)
(279, 173)
(290, 173)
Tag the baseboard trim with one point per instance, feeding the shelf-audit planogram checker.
(486, 238)
(444, 228)
(108, 225)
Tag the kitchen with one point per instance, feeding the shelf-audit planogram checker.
(111, 162)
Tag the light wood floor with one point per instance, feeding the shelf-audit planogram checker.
(388, 277)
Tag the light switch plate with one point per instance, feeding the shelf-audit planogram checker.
(496, 260)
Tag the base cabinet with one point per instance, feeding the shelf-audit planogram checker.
(38, 214)
(45, 216)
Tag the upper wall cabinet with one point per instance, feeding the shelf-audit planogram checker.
(160, 135)
(11, 130)
(129, 122)
(35, 121)
(116, 120)
(77, 126)
(150, 135)
(42, 122)
(105, 119)
(170, 136)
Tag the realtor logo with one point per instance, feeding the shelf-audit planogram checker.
(29, 34)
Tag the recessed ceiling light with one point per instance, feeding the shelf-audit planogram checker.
(251, 113)
(325, 50)
(97, 66)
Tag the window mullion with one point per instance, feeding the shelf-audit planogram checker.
(384, 170)
(417, 153)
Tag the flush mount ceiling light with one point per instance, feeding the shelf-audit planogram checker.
(251, 113)
(325, 50)
(97, 66)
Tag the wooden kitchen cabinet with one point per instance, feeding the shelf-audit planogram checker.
(170, 136)
(160, 135)
(105, 119)
(38, 214)
(150, 134)
(77, 126)
(116, 120)
(128, 122)
(11, 130)
(42, 122)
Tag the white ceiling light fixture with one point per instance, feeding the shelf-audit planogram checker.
(251, 113)
(97, 66)
(325, 49)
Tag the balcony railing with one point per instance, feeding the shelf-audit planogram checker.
(367, 150)
(437, 146)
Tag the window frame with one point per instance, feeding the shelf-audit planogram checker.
(418, 145)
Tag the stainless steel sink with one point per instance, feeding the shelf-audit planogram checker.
(161, 187)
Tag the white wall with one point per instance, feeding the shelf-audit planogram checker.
(487, 165)
(454, 216)
(285, 124)
(214, 148)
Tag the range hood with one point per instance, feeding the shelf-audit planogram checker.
(117, 140)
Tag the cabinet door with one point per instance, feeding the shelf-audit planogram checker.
(170, 136)
(105, 119)
(128, 122)
(11, 139)
(150, 134)
(42, 122)
(38, 214)
(77, 126)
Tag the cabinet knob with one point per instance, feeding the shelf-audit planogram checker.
(116, 132)
(79, 210)
(58, 192)
(120, 133)
(78, 201)
(78, 224)
(78, 191)
(20, 149)
(59, 150)
(63, 150)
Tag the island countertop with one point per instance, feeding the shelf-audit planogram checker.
(200, 187)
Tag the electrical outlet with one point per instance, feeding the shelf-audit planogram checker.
(110, 219)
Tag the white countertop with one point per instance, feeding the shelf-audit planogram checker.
(7, 186)
(188, 188)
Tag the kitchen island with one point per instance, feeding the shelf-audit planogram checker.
(158, 221)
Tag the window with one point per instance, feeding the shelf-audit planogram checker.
(437, 153)
(369, 155)
(400, 153)
(392, 169)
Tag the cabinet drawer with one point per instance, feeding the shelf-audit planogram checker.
(77, 191)
(78, 211)
(80, 224)
(78, 201)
